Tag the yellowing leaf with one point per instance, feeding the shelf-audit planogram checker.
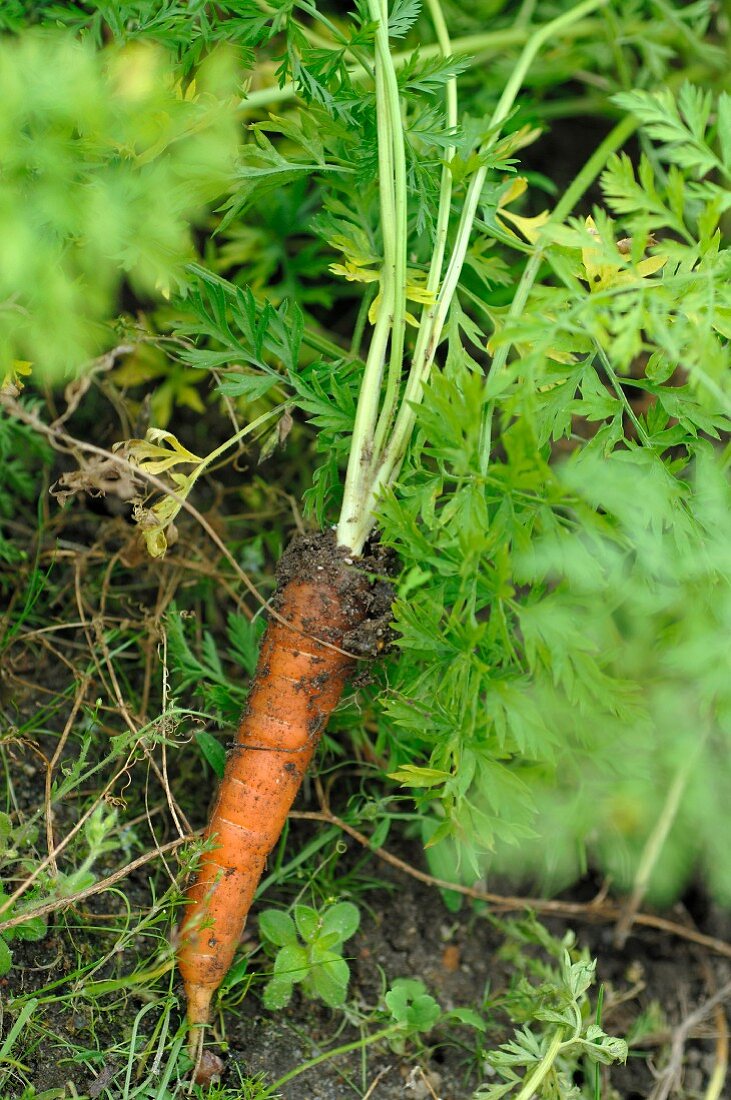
(650, 265)
(354, 272)
(163, 285)
(156, 523)
(12, 382)
(518, 187)
(416, 291)
(153, 534)
(601, 274)
(157, 452)
(529, 227)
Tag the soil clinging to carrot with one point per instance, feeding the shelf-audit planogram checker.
(362, 584)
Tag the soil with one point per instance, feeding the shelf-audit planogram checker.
(362, 583)
(410, 933)
(406, 931)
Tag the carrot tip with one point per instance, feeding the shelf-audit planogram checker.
(199, 1007)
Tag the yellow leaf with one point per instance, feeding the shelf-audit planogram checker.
(157, 452)
(12, 382)
(374, 308)
(416, 291)
(156, 523)
(354, 272)
(163, 285)
(650, 265)
(529, 227)
(601, 274)
(517, 188)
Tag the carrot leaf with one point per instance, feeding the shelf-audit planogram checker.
(212, 752)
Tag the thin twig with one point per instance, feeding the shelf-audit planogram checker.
(376, 1081)
(80, 694)
(671, 1074)
(653, 849)
(38, 870)
(96, 887)
(61, 440)
(175, 810)
(593, 910)
(115, 689)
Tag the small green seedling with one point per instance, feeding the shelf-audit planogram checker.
(34, 928)
(410, 1011)
(309, 952)
(17, 839)
(561, 1035)
(99, 832)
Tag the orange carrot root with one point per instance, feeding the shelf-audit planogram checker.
(297, 684)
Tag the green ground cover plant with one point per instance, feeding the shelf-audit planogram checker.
(284, 266)
(309, 951)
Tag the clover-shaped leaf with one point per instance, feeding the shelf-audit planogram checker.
(277, 927)
(329, 979)
(342, 919)
(411, 1006)
(308, 922)
(278, 993)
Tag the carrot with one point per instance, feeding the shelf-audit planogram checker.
(299, 679)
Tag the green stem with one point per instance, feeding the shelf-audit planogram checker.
(360, 322)
(442, 227)
(346, 1048)
(436, 316)
(392, 189)
(348, 51)
(532, 46)
(399, 244)
(527, 279)
(605, 361)
(441, 230)
(580, 184)
(654, 846)
(315, 39)
(211, 458)
(530, 1087)
(491, 43)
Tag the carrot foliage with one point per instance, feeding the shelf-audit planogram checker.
(561, 515)
(560, 510)
(462, 271)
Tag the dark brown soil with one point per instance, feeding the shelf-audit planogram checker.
(82, 1037)
(406, 931)
(362, 584)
